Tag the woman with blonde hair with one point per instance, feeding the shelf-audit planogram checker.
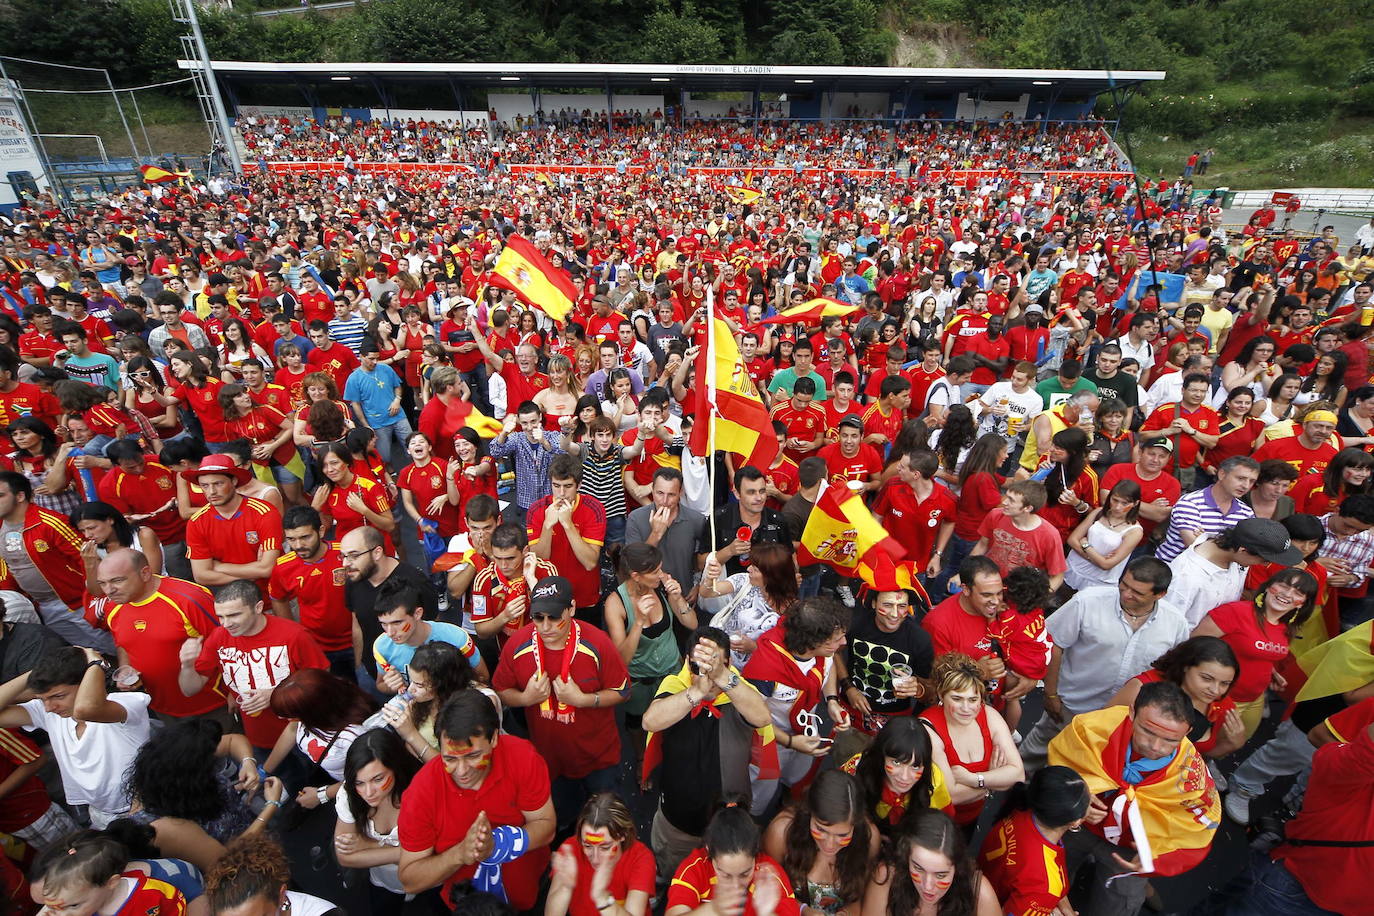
(974, 737)
(559, 400)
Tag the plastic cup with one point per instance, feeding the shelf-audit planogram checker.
(855, 485)
(900, 675)
(126, 676)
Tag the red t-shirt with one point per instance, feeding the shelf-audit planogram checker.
(1291, 449)
(785, 477)
(520, 387)
(139, 494)
(888, 424)
(204, 403)
(921, 380)
(1026, 871)
(315, 306)
(436, 813)
(1165, 486)
(1010, 547)
(337, 360)
(346, 518)
(1186, 449)
(424, 484)
(633, 871)
(914, 524)
(841, 469)
(260, 662)
(491, 592)
(574, 742)
(801, 424)
(979, 495)
(1339, 805)
(987, 348)
(1259, 648)
(1347, 724)
(151, 632)
(952, 629)
(695, 883)
(28, 801)
(293, 382)
(589, 518)
(273, 395)
(318, 588)
(256, 526)
(27, 400)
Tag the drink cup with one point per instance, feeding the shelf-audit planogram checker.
(126, 676)
(901, 674)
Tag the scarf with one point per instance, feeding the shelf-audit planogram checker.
(1170, 816)
(1135, 771)
(552, 707)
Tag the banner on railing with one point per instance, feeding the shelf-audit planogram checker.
(812, 174)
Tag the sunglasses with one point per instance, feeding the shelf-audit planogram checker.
(537, 616)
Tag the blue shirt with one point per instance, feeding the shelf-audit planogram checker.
(398, 655)
(375, 391)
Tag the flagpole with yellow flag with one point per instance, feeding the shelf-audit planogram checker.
(711, 408)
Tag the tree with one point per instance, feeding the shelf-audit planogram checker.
(680, 39)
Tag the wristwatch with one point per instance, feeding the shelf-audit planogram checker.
(1085, 544)
(732, 683)
(982, 784)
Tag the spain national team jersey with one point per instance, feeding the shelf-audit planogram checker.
(318, 589)
(1025, 869)
(239, 538)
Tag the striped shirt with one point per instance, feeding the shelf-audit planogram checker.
(1357, 550)
(1198, 511)
(351, 332)
(601, 478)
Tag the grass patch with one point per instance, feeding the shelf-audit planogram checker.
(172, 121)
(1334, 154)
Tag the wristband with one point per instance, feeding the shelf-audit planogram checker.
(322, 795)
(271, 801)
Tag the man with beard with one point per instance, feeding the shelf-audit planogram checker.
(1029, 341)
(367, 571)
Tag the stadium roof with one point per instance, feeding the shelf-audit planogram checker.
(702, 77)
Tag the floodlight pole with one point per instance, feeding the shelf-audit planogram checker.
(231, 150)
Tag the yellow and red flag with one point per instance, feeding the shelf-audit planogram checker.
(154, 175)
(1170, 817)
(812, 311)
(474, 419)
(736, 420)
(741, 194)
(522, 269)
(844, 535)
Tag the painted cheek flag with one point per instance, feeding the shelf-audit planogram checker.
(154, 175)
(736, 420)
(741, 194)
(813, 310)
(523, 270)
(844, 535)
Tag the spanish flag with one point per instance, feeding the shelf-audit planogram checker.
(154, 175)
(844, 535)
(1339, 665)
(812, 311)
(474, 419)
(736, 420)
(1170, 816)
(526, 272)
(741, 194)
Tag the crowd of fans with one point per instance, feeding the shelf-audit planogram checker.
(642, 140)
(303, 511)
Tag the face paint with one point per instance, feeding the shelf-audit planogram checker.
(405, 629)
(388, 784)
(818, 835)
(1165, 728)
(594, 837)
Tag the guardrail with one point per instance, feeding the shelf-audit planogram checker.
(1346, 200)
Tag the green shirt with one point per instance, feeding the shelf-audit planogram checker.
(784, 379)
(1054, 393)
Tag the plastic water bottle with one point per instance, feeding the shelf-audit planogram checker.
(398, 703)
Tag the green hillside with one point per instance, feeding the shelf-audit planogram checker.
(1283, 89)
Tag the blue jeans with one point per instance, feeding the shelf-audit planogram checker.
(615, 530)
(811, 582)
(1273, 891)
(391, 442)
(956, 552)
(569, 795)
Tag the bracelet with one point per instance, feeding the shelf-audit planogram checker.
(252, 760)
(607, 905)
(322, 795)
(271, 801)
(832, 698)
(596, 700)
(1051, 696)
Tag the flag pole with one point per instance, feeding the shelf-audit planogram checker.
(710, 412)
